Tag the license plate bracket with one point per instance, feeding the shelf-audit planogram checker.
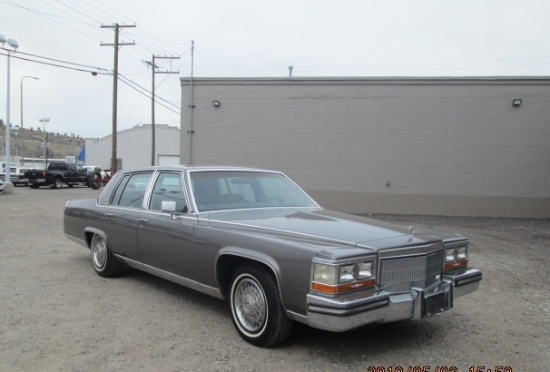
(435, 303)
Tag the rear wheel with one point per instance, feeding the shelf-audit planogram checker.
(256, 306)
(57, 183)
(105, 263)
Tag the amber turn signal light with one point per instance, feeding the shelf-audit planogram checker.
(455, 265)
(342, 288)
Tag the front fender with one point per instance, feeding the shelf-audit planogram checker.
(251, 255)
(241, 255)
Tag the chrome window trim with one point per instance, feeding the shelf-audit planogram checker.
(145, 195)
(151, 187)
(242, 170)
(176, 216)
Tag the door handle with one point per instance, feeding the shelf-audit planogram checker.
(108, 215)
(142, 221)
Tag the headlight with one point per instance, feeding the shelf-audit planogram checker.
(346, 274)
(461, 253)
(450, 255)
(334, 279)
(324, 274)
(456, 257)
(364, 270)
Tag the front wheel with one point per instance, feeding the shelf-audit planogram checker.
(256, 306)
(105, 263)
(94, 181)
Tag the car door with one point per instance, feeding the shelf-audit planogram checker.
(165, 239)
(78, 173)
(120, 216)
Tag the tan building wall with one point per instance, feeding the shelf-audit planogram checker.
(416, 146)
(134, 147)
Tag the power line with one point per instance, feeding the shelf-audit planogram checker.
(60, 61)
(93, 70)
(143, 91)
(82, 13)
(98, 14)
(71, 18)
(50, 17)
(112, 10)
(95, 21)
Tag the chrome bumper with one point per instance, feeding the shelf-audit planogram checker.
(356, 310)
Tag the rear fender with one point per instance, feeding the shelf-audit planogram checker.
(90, 231)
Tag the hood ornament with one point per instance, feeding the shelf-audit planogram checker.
(411, 232)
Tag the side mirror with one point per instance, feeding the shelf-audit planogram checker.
(168, 206)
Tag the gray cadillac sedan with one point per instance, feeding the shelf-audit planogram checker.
(254, 238)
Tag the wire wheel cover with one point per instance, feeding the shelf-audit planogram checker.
(250, 305)
(99, 252)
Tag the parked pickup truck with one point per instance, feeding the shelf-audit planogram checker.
(59, 173)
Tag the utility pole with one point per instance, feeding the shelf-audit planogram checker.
(153, 67)
(191, 130)
(117, 45)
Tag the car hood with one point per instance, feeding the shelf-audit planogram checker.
(324, 225)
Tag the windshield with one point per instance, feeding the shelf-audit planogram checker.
(218, 190)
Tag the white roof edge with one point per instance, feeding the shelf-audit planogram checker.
(281, 81)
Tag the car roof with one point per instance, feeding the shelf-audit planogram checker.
(181, 167)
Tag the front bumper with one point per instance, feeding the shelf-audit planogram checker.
(357, 310)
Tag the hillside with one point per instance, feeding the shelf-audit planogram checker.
(29, 143)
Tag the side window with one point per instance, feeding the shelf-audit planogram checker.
(131, 190)
(116, 196)
(169, 187)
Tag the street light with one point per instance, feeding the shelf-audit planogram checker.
(8, 188)
(44, 121)
(23, 78)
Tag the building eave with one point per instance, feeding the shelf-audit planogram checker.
(439, 80)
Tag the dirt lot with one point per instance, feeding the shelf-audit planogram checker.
(56, 314)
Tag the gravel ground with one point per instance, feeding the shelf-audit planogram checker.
(56, 314)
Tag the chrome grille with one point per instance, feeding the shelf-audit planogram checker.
(398, 275)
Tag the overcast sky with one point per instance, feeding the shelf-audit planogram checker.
(259, 38)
